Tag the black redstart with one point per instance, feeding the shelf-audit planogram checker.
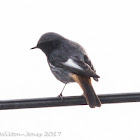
(69, 62)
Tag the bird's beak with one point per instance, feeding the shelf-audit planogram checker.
(34, 47)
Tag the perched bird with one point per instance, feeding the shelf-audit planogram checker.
(69, 62)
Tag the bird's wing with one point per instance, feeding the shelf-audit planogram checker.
(75, 65)
(87, 60)
(81, 67)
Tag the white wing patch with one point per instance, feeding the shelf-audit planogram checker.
(73, 64)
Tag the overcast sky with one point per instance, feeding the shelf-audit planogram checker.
(110, 33)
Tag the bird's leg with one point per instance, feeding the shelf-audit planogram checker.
(60, 95)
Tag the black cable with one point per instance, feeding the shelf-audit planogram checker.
(67, 101)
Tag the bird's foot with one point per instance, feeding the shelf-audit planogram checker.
(61, 96)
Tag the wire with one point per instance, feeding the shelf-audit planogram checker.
(67, 101)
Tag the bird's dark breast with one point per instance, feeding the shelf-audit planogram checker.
(61, 74)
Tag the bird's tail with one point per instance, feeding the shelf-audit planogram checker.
(89, 93)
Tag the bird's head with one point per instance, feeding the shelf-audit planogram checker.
(48, 42)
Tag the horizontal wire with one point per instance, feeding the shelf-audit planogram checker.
(67, 101)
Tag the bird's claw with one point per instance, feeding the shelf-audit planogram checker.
(61, 96)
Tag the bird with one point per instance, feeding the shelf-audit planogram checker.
(69, 62)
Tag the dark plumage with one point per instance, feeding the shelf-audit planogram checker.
(67, 58)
